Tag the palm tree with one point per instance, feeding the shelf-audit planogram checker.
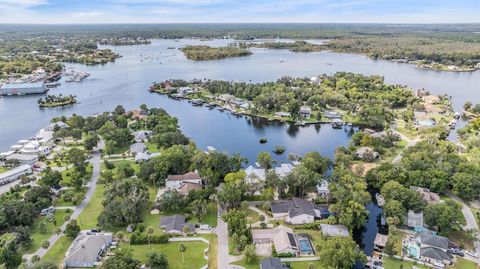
(182, 248)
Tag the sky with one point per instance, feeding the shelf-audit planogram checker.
(239, 11)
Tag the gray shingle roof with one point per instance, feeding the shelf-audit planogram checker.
(175, 223)
(435, 253)
(86, 248)
(430, 239)
(293, 207)
(271, 263)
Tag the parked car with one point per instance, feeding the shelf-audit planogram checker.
(45, 211)
(458, 252)
(205, 227)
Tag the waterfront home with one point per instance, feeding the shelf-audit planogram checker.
(137, 148)
(334, 230)
(281, 237)
(15, 173)
(337, 123)
(45, 137)
(380, 241)
(323, 189)
(366, 152)
(87, 250)
(305, 111)
(282, 114)
(139, 114)
(272, 263)
(59, 124)
(415, 220)
(427, 195)
(186, 90)
(184, 183)
(425, 123)
(23, 158)
(295, 211)
(145, 156)
(5, 154)
(435, 249)
(246, 106)
(225, 97)
(254, 175)
(332, 115)
(176, 225)
(283, 170)
(141, 136)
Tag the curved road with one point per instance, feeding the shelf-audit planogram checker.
(95, 161)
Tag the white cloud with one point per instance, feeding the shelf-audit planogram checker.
(86, 14)
(22, 3)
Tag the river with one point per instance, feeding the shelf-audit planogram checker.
(126, 82)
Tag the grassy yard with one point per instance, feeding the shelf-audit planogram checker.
(213, 251)
(3, 169)
(88, 218)
(252, 216)
(67, 179)
(37, 236)
(293, 265)
(396, 236)
(398, 264)
(464, 264)
(193, 256)
(56, 253)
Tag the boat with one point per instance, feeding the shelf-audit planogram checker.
(380, 200)
(337, 123)
(300, 123)
(196, 102)
(457, 115)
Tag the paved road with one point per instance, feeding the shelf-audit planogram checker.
(95, 161)
(222, 239)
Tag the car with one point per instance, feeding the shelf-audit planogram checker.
(95, 230)
(219, 215)
(458, 252)
(205, 227)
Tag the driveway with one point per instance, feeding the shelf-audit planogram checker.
(222, 239)
(95, 161)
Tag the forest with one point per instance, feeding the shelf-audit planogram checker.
(205, 53)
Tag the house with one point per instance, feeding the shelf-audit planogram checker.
(305, 111)
(332, 115)
(254, 175)
(141, 136)
(415, 220)
(334, 230)
(87, 249)
(427, 195)
(176, 225)
(425, 123)
(184, 183)
(59, 124)
(23, 158)
(14, 174)
(45, 137)
(5, 154)
(225, 97)
(145, 156)
(380, 241)
(272, 263)
(137, 148)
(283, 170)
(364, 153)
(282, 114)
(323, 189)
(295, 211)
(139, 114)
(434, 249)
(281, 237)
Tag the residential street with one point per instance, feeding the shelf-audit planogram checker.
(222, 237)
(95, 161)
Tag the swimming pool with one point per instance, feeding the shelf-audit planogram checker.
(304, 245)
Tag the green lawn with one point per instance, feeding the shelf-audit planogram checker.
(464, 264)
(66, 175)
(193, 256)
(293, 265)
(56, 253)
(252, 216)
(398, 264)
(37, 236)
(3, 169)
(88, 218)
(396, 236)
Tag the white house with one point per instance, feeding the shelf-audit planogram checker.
(323, 189)
(295, 211)
(305, 111)
(254, 175)
(14, 174)
(23, 158)
(283, 170)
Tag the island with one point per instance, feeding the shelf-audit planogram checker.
(205, 53)
(297, 46)
(54, 101)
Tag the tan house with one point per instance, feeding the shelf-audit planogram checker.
(281, 237)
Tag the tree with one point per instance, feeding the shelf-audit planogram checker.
(124, 203)
(230, 195)
(467, 105)
(182, 248)
(394, 209)
(90, 141)
(250, 254)
(72, 229)
(76, 156)
(51, 178)
(300, 179)
(156, 260)
(444, 216)
(42, 227)
(150, 232)
(340, 252)
(171, 200)
(119, 110)
(45, 244)
(199, 208)
(265, 159)
(122, 259)
(120, 236)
